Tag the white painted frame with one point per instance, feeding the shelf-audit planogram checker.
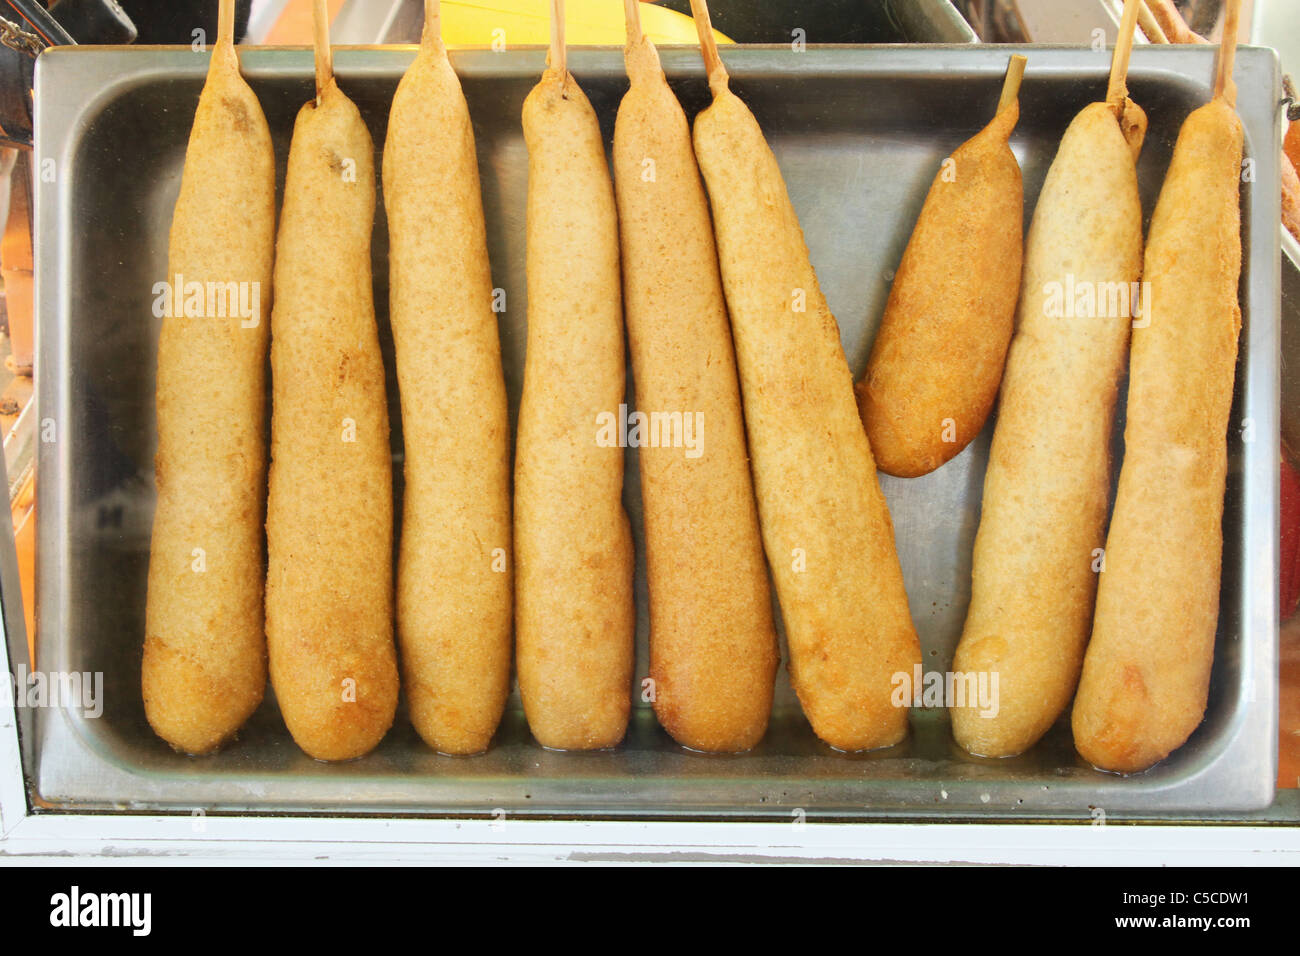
(117, 838)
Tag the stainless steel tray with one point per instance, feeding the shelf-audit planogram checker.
(858, 132)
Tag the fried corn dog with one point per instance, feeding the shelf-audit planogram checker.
(453, 582)
(713, 650)
(204, 668)
(573, 543)
(937, 360)
(329, 599)
(1046, 490)
(1146, 675)
(824, 521)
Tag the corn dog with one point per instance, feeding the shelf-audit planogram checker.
(713, 649)
(824, 522)
(573, 544)
(1047, 486)
(453, 604)
(329, 601)
(1146, 675)
(1290, 151)
(204, 668)
(937, 360)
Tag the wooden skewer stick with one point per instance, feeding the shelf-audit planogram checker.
(1171, 22)
(324, 58)
(1150, 25)
(226, 22)
(1223, 85)
(1011, 85)
(1117, 90)
(632, 14)
(709, 46)
(555, 57)
(432, 21)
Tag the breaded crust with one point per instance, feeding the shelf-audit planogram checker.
(329, 597)
(937, 359)
(1146, 675)
(573, 544)
(204, 669)
(454, 592)
(1047, 487)
(713, 649)
(825, 525)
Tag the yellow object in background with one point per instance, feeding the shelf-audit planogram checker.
(526, 23)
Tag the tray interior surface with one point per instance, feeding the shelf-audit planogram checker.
(858, 134)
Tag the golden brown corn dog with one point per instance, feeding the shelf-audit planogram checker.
(937, 360)
(824, 521)
(453, 582)
(713, 650)
(204, 667)
(1046, 490)
(1146, 675)
(329, 599)
(573, 544)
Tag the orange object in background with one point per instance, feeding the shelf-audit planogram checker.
(24, 516)
(16, 269)
(1291, 166)
(294, 27)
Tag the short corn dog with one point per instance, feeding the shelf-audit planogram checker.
(1146, 675)
(573, 544)
(453, 584)
(329, 525)
(1046, 490)
(824, 521)
(204, 667)
(937, 360)
(713, 650)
